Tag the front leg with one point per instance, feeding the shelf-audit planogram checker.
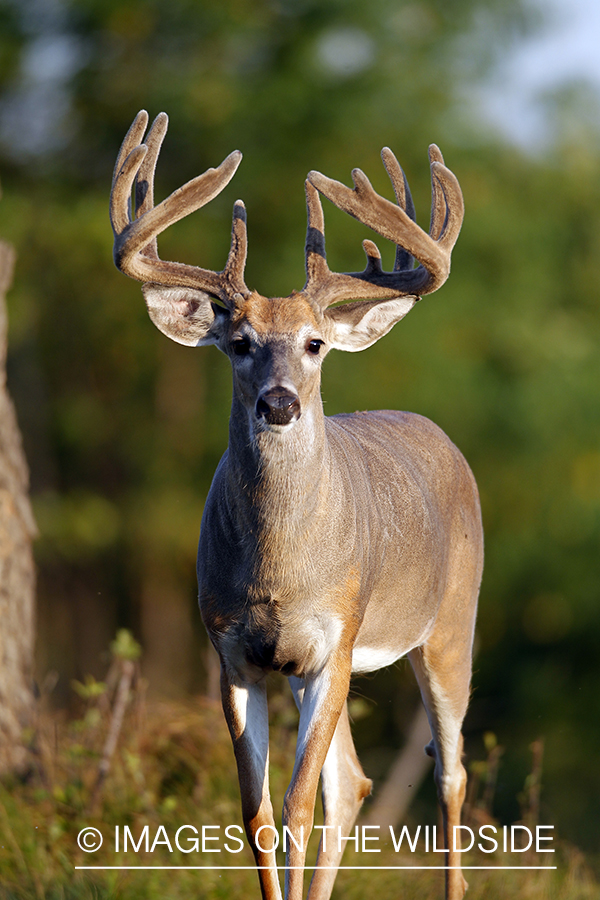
(322, 702)
(245, 708)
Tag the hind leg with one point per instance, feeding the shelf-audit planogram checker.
(443, 670)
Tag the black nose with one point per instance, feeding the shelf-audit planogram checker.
(278, 406)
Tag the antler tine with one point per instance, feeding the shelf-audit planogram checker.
(395, 222)
(453, 205)
(132, 139)
(439, 207)
(135, 241)
(316, 259)
(144, 181)
(236, 261)
(404, 259)
(128, 162)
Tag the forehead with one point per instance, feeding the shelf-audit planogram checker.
(277, 315)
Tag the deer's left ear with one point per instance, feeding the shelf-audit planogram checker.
(355, 326)
(186, 315)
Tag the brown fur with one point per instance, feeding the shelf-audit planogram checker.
(278, 315)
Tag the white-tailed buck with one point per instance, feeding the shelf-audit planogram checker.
(328, 545)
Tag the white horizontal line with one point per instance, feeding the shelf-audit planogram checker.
(313, 868)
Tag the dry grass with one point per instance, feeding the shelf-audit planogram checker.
(172, 765)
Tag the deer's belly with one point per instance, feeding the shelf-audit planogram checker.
(379, 643)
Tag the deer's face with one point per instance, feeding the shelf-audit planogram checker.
(276, 347)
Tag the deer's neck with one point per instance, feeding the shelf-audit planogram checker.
(278, 481)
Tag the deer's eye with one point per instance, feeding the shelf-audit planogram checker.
(241, 346)
(314, 347)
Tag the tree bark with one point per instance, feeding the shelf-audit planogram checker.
(17, 573)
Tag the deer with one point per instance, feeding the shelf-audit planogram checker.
(328, 545)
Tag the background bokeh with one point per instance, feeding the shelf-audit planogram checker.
(123, 429)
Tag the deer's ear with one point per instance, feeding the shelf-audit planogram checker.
(185, 315)
(355, 326)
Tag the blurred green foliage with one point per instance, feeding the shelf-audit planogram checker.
(123, 429)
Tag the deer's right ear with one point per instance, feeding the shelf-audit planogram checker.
(185, 315)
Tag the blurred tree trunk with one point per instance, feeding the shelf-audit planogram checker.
(17, 574)
(405, 776)
(166, 632)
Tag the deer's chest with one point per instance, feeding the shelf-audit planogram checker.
(294, 638)
(273, 593)
(285, 617)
